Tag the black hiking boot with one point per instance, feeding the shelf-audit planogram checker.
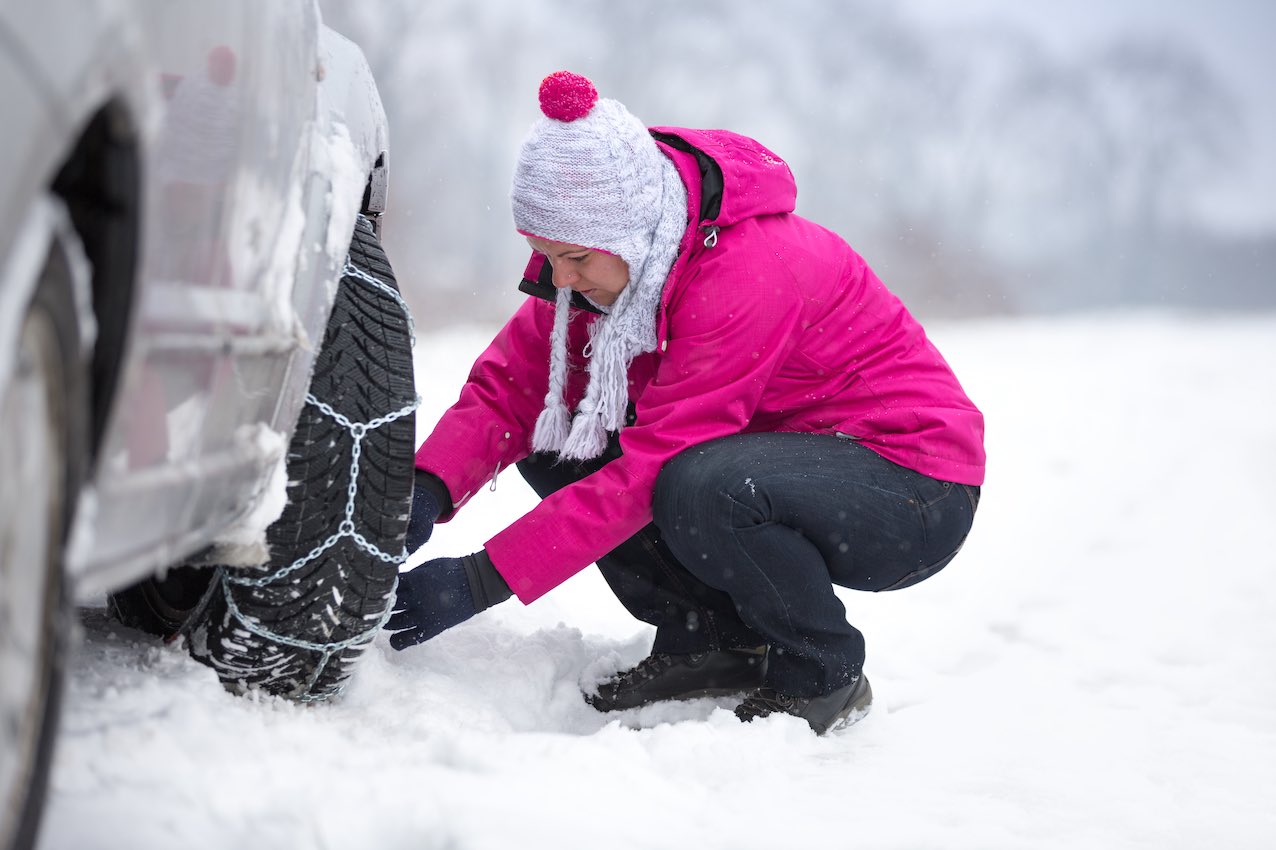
(824, 713)
(659, 676)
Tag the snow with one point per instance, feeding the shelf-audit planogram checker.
(335, 156)
(244, 543)
(1094, 670)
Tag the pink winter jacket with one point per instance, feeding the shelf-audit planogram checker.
(776, 326)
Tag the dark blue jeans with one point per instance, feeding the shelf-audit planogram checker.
(752, 531)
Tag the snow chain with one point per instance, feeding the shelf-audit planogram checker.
(352, 270)
(358, 430)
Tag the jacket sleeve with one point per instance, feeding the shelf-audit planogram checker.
(727, 335)
(489, 426)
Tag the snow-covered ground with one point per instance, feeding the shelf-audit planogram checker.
(1096, 670)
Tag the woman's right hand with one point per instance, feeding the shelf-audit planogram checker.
(443, 593)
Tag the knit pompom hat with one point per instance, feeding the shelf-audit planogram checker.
(589, 174)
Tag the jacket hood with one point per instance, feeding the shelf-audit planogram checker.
(740, 178)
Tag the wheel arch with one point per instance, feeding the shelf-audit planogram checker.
(100, 183)
(348, 96)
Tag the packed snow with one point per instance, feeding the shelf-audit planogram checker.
(1095, 670)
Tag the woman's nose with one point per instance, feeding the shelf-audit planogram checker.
(563, 278)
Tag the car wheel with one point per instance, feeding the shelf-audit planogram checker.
(296, 628)
(42, 416)
(161, 605)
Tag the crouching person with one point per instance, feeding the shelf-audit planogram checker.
(718, 402)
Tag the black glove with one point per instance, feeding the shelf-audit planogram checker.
(429, 497)
(441, 593)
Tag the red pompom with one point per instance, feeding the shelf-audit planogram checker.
(566, 96)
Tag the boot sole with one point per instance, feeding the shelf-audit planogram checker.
(705, 693)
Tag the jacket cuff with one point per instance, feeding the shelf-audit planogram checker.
(434, 485)
(486, 584)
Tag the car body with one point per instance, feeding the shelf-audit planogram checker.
(200, 167)
(219, 319)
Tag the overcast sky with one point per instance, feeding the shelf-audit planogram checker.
(1238, 37)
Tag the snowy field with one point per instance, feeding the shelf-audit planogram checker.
(1096, 670)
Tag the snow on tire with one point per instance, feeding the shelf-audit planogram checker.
(296, 628)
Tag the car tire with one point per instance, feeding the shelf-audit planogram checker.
(296, 628)
(43, 417)
(161, 605)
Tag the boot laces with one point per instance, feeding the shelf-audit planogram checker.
(649, 668)
(766, 701)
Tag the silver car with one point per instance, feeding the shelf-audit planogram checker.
(206, 390)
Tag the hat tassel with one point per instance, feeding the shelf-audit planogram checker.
(553, 423)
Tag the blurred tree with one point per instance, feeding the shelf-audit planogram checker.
(977, 171)
(1173, 126)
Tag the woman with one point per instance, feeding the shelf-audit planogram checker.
(719, 404)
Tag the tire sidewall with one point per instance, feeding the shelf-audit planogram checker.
(54, 300)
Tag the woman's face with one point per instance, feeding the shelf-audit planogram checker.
(597, 275)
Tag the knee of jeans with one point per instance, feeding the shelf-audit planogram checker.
(667, 498)
(696, 484)
(680, 494)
